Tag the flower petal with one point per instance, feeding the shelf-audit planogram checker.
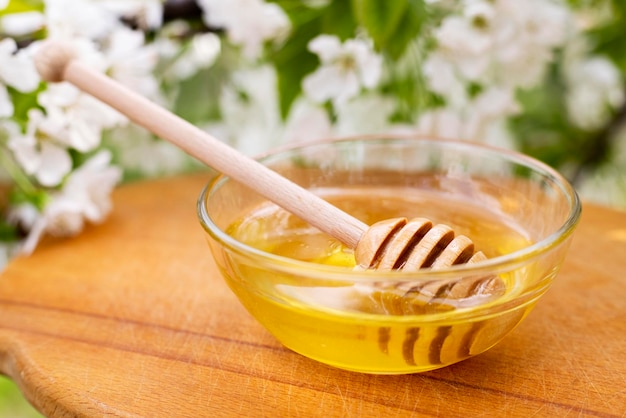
(23, 23)
(84, 136)
(25, 153)
(55, 164)
(34, 235)
(325, 83)
(18, 71)
(350, 89)
(6, 105)
(370, 67)
(63, 217)
(327, 48)
(307, 122)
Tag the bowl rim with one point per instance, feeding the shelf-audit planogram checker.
(502, 263)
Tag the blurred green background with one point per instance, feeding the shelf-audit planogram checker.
(12, 404)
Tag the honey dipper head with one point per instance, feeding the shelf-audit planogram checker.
(402, 244)
(52, 59)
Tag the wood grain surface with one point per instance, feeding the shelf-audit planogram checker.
(131, 319)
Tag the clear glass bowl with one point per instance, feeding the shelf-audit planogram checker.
(303, 288)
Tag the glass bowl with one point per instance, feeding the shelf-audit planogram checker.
(303, 287)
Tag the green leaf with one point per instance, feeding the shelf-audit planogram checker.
(409, 28)
(199, 95)
(392, 24)
(543, 129)
(298, 12)
(609, 40)
(8, 232)
(12, 402)
(338, 19)
(23, 102)
(379, 18)
(294, 61)
(38, 198)
(20, 6)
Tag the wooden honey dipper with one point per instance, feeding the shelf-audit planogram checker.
(390, 244)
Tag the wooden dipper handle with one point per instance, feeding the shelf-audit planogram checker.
(392, 244)
(55, 63)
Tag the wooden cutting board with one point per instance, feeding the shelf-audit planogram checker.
(132, 319)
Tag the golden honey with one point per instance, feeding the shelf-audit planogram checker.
(369, 327)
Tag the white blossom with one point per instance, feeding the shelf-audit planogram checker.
(16, 70)
(500, 45)
(91, 185)
(131, 62)
(541, 22)
(20, 24)
(345, 69)
(366, 114)
(184, 59)
(306, 122)
(444, 123)
(495, 102)
(85, 197)
(482, 116)
(203, 50)
(595, 87)
(250, 110)
(506, 42)
(78, 19)
(443, 79)
(138, 151)
(40, 156)
(466, 43)
(75, 118)
(248, 23)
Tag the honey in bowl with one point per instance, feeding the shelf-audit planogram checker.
(305, 289)
(368, 326)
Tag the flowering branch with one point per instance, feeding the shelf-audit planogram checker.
(258, 74)
(181, 9)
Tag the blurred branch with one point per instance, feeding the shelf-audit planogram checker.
(187, 10)
(181, 9)
(600, 145)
